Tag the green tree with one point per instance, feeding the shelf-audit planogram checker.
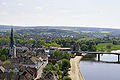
(108, 46)
(65, 64)
(4, 51)
(12, 71)
(84, 47)
(65, 55)
(66, 78)
(3, 57)
(56, 54)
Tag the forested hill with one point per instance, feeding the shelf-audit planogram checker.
(75, 29)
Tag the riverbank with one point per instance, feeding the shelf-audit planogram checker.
(74, 72)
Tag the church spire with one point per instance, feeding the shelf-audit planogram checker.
(12, 43)
(12, 50)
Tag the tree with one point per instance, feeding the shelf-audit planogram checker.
(115, 42)
(4, 51)
(50, 67)
(3, 57)
(12, 71)
(108, 46)
(66, 78)
(56, 54)
(84, 47)
(65, 64)
(65, 56)
(92, 47)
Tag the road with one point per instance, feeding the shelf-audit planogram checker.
(40, 70)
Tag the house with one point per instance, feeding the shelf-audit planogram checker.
(7, 76)
(33, 62)
(2, 69)
(29, 74)
(21, 49)
(52, 49)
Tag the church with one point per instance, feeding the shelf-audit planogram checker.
(12, 47)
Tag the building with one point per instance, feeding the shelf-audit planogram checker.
(52, 49)
(12, 48)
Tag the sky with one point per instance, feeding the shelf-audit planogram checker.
(88, 13)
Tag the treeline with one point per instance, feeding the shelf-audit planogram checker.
(75, 43)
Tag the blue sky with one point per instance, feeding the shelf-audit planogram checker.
(90, 13)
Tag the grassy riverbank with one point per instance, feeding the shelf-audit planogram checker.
(74, 72)
(107, 47)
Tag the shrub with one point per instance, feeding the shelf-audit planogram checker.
(12, 71)
(66, 78)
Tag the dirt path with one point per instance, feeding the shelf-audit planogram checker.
(74, 72)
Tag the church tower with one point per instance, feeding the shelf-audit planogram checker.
(12, 50)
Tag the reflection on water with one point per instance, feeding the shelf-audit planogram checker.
(91, 69)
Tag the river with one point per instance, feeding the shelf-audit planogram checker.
(106, 70)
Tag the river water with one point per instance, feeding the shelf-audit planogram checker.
(105, 69)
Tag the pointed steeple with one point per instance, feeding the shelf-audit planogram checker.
(12, 43)
(12, 51)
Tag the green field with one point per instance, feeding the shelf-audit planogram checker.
(107, 47)
(76, 31)
(105, 32)
(66, 29)
(87, 31)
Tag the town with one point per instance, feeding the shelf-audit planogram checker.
(23, 63)
(34, 54)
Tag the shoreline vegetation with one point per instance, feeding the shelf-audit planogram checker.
(74, 72)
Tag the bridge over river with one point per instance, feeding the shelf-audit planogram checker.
(98, 53)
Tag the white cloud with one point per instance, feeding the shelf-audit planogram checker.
(3, 13)
(20, 4)
(4, 3)
(38, 7)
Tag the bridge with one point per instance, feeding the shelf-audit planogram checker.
(98, 53)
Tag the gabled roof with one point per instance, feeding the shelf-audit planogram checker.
(2, 69)
(34, 59)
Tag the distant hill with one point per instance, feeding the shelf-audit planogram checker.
(77, 29)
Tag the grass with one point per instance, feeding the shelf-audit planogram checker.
(76, 31)
(105, 32)
(66, 29)
(87, 31)
(92, 38)
(103, 47)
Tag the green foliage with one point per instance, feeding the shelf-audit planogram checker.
(108, 46)
(24, 51)
(4, 41)
(50, 67)
(87, 45)
(3, 57)
(104, 47)
(7, 62)
(33, 55)
(61, 68)
(12, 71)
(65, 55)
(66, 78)
(65, 64)
(4, 52)
(72, 55)
(57, 54)
(84, 47)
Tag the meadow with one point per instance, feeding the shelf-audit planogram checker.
(101, 47)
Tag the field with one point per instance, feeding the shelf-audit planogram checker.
(107, 47)
(76, 31)
(105, 32)
(87, 31)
